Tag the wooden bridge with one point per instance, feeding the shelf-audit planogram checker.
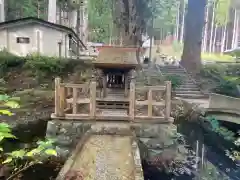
(139, 104)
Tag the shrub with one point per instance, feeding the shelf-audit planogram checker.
(42, 65)
(8, 60)
(227, 88)
(175, 80)
(22, 159)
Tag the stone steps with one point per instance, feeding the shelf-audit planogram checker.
(187, 88)
(191, 96)
(187, 92)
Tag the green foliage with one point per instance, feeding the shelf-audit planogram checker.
(42, 65)
(25, 8)
(226, 77)
(8, 60)
(221, 10)
(235, 155)
(224, 132)
(36, 155)
(175, 80)
(227, 88)
(165, 14)
(30, 157)
(100, 20)
(216, 57)
(5, 133)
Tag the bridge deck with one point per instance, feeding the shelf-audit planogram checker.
(103, 157)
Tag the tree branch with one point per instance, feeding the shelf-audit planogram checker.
(20, 171)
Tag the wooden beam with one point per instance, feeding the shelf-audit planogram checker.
(125, 84)
(132, 100)
(74, 102)
(140, 119)
(57, 101)
(104, 79)
(150, 106)
(92, 106)
(62, 99)
(168, 99)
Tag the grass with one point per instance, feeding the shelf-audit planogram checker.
(234, 79)
(217, 57)
(171, 51)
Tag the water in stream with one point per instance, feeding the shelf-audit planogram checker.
(213, 163)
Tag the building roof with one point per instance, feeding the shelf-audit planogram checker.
(116, 57)
(28, 20)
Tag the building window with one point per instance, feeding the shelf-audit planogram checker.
(23, 40)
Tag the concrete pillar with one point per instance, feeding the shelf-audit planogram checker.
(2, 11)
(52, 11)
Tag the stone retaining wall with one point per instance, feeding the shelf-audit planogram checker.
(154, 137)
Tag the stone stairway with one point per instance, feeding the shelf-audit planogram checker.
(187, 90)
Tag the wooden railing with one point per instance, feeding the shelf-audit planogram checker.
(68, 96)
(152, 100)
(78, 101)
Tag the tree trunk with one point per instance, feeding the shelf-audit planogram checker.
(212, 28)
(205, 36)
(191, 57)
(183, 22)
(230, 27)
(2, 11)
(234, 28)
(177, 22)
(214, 39)
(237, 32)
(224, 38)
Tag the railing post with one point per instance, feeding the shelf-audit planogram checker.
(132, 100)
(62, 99)
(93, 87)
(57, 100)
(125, 84)
(150, 106)
(74, 104)
(168, 99)
(104, 80)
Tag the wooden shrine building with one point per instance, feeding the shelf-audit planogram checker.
(112, 93)
(114, 67)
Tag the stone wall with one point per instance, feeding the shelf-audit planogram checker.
(67, 134)
(152, 138)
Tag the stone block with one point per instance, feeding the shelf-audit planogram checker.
(64, 140)
(52, 128)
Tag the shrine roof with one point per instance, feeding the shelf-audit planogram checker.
(117, 56)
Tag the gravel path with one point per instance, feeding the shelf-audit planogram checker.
(106, 158)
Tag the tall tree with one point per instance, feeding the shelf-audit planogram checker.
(100, 20)
(191, 57)
(131, 17)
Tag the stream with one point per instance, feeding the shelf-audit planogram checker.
(213, 165)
